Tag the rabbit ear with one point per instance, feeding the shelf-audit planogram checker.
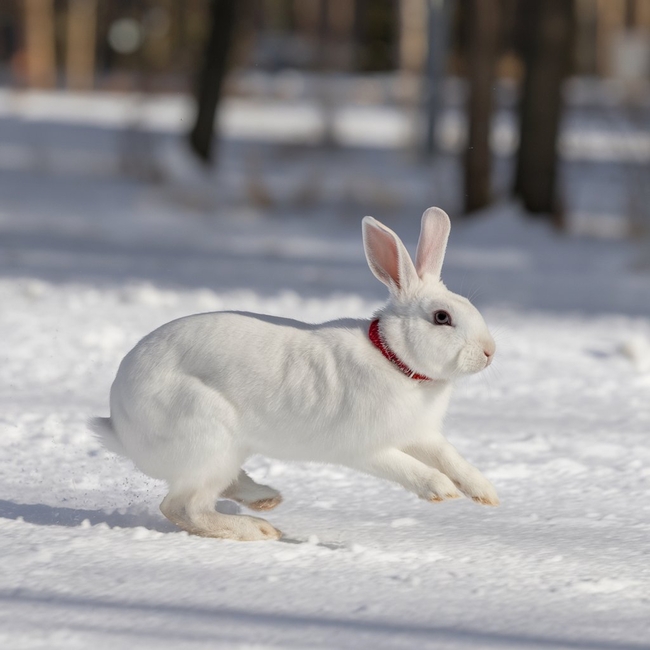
(433, 242)
(387, 257)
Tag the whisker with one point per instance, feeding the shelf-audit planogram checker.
(462, 282)
(478, 291)
(501, 333)
(497, 371)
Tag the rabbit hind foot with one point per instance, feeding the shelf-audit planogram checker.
(195, 513)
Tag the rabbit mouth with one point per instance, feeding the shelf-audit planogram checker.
(473, 362)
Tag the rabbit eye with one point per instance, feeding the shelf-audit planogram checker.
(441, 318)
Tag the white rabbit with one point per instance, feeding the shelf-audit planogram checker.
(198, 396)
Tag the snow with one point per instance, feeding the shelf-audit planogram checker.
(90, 263)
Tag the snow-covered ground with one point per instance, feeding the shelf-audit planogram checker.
(560, 423)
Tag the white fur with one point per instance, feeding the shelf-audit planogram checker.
(198, 396)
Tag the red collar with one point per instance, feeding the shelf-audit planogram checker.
(375, 337)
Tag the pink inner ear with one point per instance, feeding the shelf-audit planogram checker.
(384, 255)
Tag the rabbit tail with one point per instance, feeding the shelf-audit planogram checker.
(105, 433)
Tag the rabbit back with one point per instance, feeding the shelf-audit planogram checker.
(257, 384)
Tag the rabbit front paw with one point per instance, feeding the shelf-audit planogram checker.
(438, 488)
(478, 489)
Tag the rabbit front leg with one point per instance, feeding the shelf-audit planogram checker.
(394, 465)
(439, 453)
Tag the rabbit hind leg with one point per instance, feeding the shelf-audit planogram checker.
(192, 508)
(251, 494)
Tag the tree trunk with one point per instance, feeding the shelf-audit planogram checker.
(437, 26)
(39, 43)
(211, 77)
(547, 39)
(80, 54)
(483, 35)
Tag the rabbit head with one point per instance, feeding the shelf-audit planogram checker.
(435, 332)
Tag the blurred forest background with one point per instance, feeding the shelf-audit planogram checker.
(385, 104)
(160, 158)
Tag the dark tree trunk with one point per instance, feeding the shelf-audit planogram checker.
(438, 15)
(547, 30)
(211, 77)
(482, 47)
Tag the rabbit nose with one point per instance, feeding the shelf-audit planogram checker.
(488, 350)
